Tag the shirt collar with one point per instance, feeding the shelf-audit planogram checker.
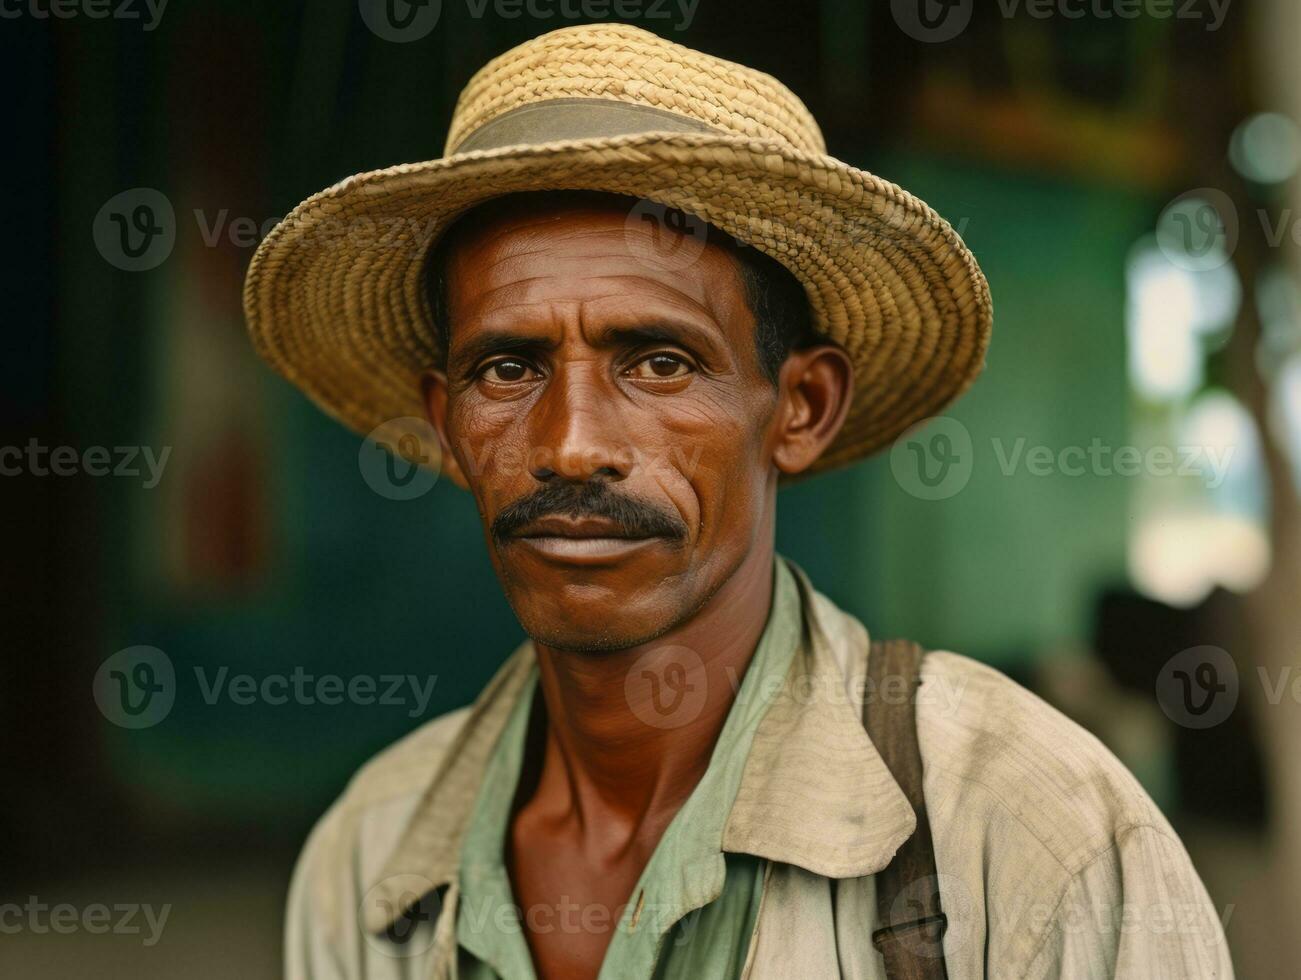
(814, 792)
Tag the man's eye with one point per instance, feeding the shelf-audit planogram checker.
(507, 371)
(660, 366)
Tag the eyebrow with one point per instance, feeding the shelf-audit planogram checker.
(495, 342)
(659, 332)
(499, 342)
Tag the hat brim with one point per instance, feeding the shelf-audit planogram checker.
(335, 295)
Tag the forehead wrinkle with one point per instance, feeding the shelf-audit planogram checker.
(520, 240)
(691, 318)
(713, 305)
(559, 269)
(491, 297)
(525, 275)
(530, 236)
(524, 239)
(519, 315)
(524, 292)
(660, 290)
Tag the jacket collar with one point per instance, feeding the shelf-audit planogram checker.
(815, 792)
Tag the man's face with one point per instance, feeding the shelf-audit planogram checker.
(609, 414)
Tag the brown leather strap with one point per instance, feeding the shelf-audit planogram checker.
(910, 938)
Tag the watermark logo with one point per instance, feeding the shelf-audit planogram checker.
(666, 687)
(1198, 687)
(136, 687)
(399, 458)
(664, 237)
(1198, 230)
(932, 21)
(136, 230)
(933, 459)
(401, 21)
(914, 903)
(398, 915)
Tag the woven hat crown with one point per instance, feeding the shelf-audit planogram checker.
(616, 62)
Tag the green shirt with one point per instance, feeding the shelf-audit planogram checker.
(693, 910)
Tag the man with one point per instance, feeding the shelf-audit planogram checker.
(672, 777)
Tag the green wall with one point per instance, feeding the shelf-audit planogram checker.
(1010, 563)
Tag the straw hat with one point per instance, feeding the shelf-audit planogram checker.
(335, 296)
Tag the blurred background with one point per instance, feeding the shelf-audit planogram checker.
(1110, 516)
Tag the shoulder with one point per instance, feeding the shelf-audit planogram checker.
(1001, 767)
(1000, 750)
(350, 842)
(1073, 868)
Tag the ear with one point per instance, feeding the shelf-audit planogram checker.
(433, 389)
(815, 387)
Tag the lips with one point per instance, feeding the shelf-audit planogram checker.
(575, 528)
(580, 540)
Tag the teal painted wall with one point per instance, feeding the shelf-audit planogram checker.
(1010, 563)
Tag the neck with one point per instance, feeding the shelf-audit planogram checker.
(626, 749)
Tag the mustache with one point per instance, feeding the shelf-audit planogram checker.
(635, 517)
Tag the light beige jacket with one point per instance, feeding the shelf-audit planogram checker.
(1052, 860)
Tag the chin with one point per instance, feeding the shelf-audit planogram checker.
(609, 633)
(569, 640)
(580, 626)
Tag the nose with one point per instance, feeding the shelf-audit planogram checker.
(579, 433)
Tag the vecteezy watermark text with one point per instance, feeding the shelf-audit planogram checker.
(97, 918)
(301, 687)
(680, 12)
(934, 459)
(937, 21)
(90, 9)
(404, 21)
(1100, 459)
(36, 459)
(136, 688)
(1212, 11)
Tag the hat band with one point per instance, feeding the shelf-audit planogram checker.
(576, 119)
